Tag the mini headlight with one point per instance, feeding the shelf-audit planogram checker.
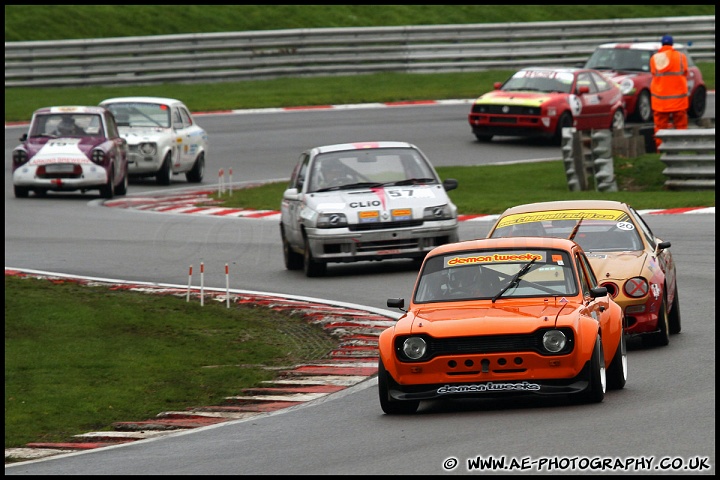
(19, 157)
(636, 287)
(98, 156)
(414, 348)
(148, 148)
(439, 212)
(554, 341)
(332, 220)
(627, 86)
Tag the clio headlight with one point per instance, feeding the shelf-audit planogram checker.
(439, 212)
(332, 220)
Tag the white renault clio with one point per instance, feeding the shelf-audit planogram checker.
(364, 201)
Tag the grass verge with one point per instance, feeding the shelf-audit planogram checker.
(282, 92)
(78, 358)
(490, 189)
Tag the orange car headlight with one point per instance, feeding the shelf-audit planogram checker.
(554, 341)
(414, 348)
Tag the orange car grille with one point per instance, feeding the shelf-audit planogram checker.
(495, 344)
(486, 344)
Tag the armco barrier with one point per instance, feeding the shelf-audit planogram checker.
(690, 158)
(257, 55)
(689, 155)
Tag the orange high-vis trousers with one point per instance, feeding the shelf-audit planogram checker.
(669, 120)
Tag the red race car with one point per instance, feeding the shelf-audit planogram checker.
(542, 101)
(628, 64)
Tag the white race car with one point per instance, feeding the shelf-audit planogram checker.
(364, 201)
(163, 138)
(71, 148)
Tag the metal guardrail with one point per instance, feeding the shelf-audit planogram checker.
(689, 155)
(690, 158)
(232, 56)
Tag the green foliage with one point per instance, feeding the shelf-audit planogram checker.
(78, 358)
(281, 92)
(58, 22)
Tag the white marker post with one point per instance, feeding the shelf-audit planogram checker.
(230, 181)
(227, 284)
(189, 283)
(202, 284)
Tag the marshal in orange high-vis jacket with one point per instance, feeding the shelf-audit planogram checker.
(669, 88)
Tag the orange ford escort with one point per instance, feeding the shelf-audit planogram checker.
(504, 316)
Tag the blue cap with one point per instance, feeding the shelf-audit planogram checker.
(667, 40)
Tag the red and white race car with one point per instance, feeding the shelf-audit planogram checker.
(71, 148)
(542, 101)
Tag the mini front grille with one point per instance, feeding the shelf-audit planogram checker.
(59, 171)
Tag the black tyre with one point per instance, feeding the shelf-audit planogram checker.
(123, 187)
(388, 405)
(617, 372)
(40, 192)
(164, 174)
(674, 315)
(21, 192)
(643, 108)
(595, 392)
(107, 191)
(565, 121)
(697, 103)
(196, 174)
(662, 336)
(312, 267)
(293, 260)
(483, 138)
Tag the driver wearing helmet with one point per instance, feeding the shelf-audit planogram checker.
(67, 126)
(333, 173)
(473, 282)
(464, 281)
